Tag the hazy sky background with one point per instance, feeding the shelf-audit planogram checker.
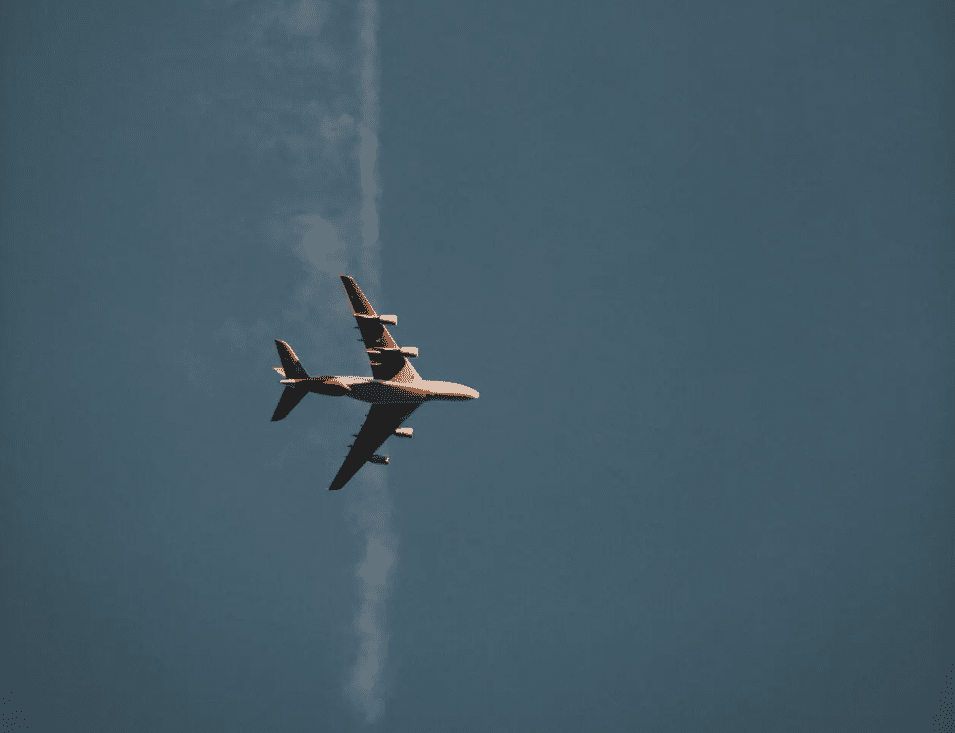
(696, 257)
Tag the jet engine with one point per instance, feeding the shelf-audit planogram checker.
(378, 459)
(410, 351)
(405, 432)
(393, 320)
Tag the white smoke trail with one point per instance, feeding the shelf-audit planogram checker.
(368, 132)
(365, 683)
(365, 686)
(293, 119)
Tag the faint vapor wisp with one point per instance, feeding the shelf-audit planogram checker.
(365, 683)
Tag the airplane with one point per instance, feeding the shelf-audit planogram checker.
(395, 390)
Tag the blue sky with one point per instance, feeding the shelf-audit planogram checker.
(695, 257)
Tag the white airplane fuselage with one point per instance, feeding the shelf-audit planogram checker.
(395, 389)
(377, 391)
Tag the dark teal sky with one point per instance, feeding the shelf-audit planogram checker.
(696, 257)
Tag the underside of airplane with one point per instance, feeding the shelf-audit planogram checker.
(395, 389)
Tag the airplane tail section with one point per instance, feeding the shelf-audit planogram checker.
(291, 396)
(291, 367)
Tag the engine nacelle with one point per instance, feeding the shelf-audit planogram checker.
(378, 459)
(411, 351)
(405, 432)
(393, 320)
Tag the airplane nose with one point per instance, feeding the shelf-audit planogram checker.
(472, 393)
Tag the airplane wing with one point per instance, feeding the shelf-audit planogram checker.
(387, 362)
(382, 421)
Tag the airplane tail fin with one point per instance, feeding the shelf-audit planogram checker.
(291, 367)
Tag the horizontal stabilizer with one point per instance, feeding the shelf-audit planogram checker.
(291, 396)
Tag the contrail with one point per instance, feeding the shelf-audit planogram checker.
(326, 236)
(364, 685)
